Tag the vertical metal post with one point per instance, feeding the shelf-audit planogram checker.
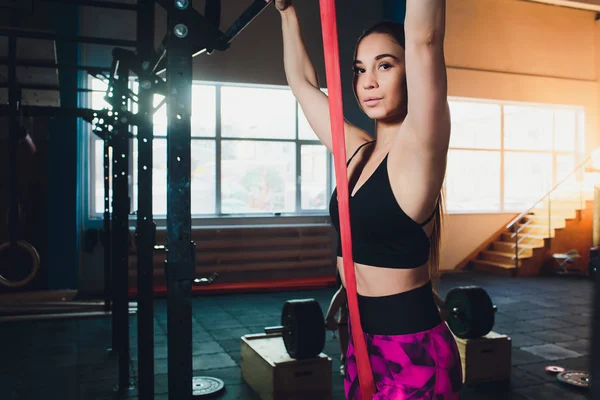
(145, 226)
(120, 226)
(549, 219)
(595, 350)
(218, 148)
(13, 127)
(299, 176)
(180, 266)
(107, 240)
(517, 245)
(113, 285)
(581, 179)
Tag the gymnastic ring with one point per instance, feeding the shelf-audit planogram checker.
(35, 258)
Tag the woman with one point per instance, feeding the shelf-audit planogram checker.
(395, 186)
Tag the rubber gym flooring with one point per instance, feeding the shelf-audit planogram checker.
(548, 320)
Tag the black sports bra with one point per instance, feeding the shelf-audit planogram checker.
(382, 234)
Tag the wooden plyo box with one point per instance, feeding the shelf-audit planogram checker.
(274, 375)
(486, 359)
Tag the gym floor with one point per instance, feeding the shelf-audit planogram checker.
(548, 320)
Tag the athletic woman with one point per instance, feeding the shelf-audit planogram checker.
(395, 184)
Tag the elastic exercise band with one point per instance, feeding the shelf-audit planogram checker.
(336, 112)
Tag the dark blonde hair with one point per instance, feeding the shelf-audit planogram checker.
(396, 31)
(435, 241)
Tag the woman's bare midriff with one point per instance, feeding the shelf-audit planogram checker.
(375, 281)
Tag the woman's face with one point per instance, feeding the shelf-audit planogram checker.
(380, 77)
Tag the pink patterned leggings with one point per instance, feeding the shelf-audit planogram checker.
(419, 366)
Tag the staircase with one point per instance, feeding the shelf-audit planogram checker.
(560, 221)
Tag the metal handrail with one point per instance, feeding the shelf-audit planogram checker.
(514, 222)
(524, 213)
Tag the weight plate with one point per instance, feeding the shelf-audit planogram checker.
(554, 369)
(206, 386)
(581, 379)
(304, 333)
(474, 316)
(19, 263)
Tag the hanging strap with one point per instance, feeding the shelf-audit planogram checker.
(334, 86)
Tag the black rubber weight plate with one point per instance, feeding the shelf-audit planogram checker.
(476, 317)
(482, 312)
(306, 336)
(15, 263)
(311, 337)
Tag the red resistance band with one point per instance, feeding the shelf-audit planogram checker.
(336, 111)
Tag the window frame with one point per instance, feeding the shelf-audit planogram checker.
(577, 152)
(93, 212)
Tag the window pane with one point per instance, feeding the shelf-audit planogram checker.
(159, 176)
(475, 125)
(98, 146)
(204, 110)
(257, 177)
(527, 177)
(473, 180)
(258, 113)
(565, 164)
(97, 101)
(528, 128)
(333, 180)
(160, 117)
(581, 132)
(565, 130)
(314, 177)
(203, 177)
(305, 132)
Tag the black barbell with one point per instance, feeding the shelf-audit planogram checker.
(469, 309)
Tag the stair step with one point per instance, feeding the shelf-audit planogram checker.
(540, 226)
(529, 235)
(559, 222)
(545, 217)
(495, 268)
(505, 247)
(510, 245)
(495, 264)
(503, 257)
(502, 254)
(508, 237)
(558, 212)
(535, 229)
(556, 207)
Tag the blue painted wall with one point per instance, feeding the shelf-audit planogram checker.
(64, 202)
(394, 10)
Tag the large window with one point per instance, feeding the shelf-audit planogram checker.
(253, 152)
(505, 157)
